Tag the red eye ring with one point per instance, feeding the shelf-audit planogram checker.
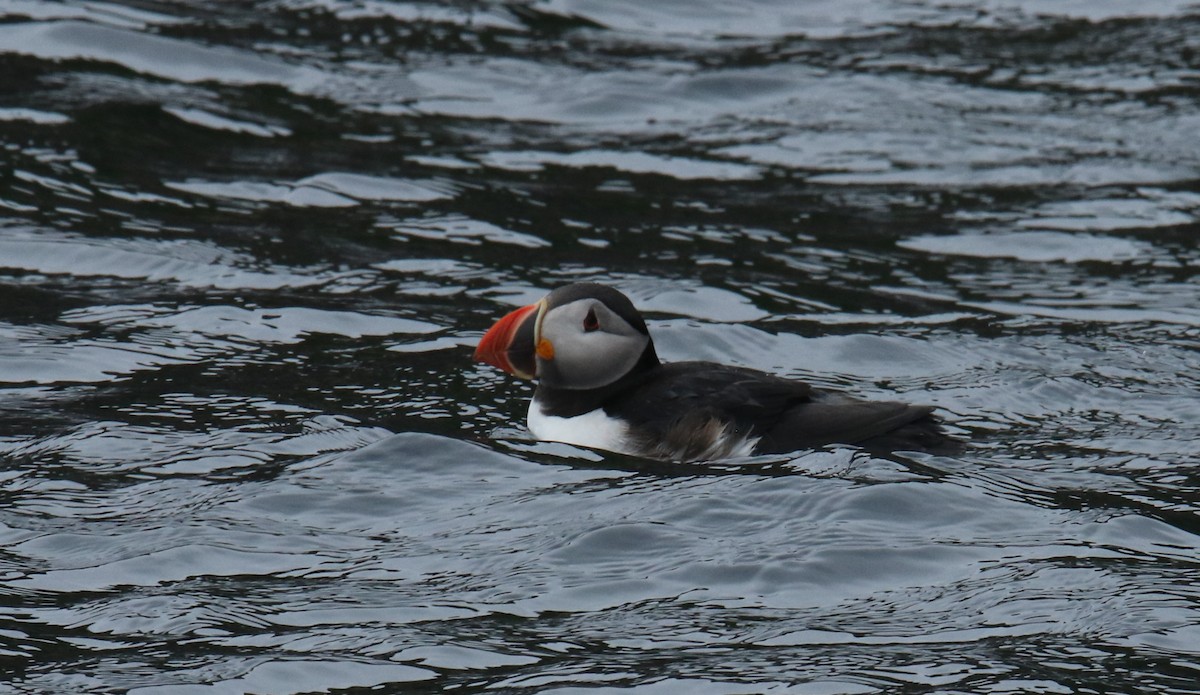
(590, 322)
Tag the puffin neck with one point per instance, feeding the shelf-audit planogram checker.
(573, 402)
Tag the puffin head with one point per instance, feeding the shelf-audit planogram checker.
(580, 336)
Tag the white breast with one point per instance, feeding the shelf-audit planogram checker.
(599, 430)
(596, 429)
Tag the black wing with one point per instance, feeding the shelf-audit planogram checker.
(844, 420)
(682, 406)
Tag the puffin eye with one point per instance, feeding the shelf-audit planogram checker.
(590, 322)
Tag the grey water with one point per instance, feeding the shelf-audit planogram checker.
(246, 250)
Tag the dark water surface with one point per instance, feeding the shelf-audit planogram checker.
(245, 249)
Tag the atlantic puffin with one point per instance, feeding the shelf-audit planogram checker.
(601, 385)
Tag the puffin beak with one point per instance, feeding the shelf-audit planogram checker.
(511, 344)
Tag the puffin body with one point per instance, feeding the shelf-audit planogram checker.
(601, 385)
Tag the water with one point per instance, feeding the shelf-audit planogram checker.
(245, 250)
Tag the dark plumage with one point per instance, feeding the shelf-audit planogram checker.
(676, 409)
(679, 411)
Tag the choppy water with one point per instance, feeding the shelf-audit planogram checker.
(245, 247)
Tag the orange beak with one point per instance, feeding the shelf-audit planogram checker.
(510, 344)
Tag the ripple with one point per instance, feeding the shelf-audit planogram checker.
(1111, 315)
(818, 151)
(33, 116)
(762, 20)
(205, 119)
(1153, 208)
(103, 12)
(462, 230)
(632, 162)
(298, 675)
(172, 336)
(172, 565)
(330, 190)
(119, 447)
(861, 357)
(708, 303)
(194, 263)
(172, 59)
(277, 325)
(35, 355)
(1033, 246)
(830, 19)
(455, 657)
(351, 10)
(887, 134)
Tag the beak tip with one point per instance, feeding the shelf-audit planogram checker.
(486, 357)
(496, 347)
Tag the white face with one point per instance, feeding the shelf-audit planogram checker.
(592, 346)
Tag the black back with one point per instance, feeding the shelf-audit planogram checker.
(674, 406)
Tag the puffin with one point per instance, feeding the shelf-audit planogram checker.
(601, 385)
